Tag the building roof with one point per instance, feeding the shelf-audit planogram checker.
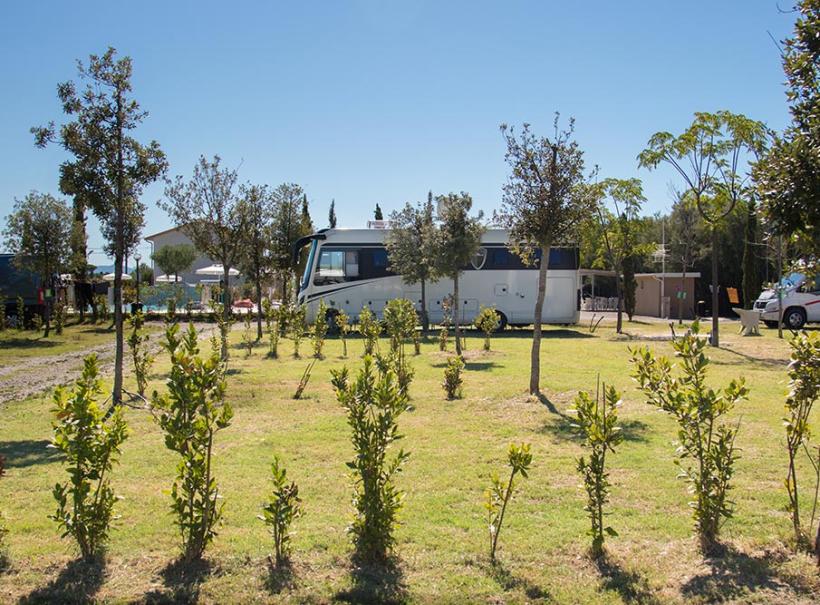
(155, 235)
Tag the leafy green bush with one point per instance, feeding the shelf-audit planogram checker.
(191, 413)
(319, 332)
(395, 362)
(171, 310)
(804, 389)
(271, 327)
(59, 316)
(90, 441)
(487, 321)
(3, 319)
(140, 352)
(343, 324)
(519, 460)
(282, 507)
(597, 421)
(223, 326)
(103, 312)
(37, 322)
(453, 381)
(248, 337)
(373, 406)
(370, 329)
(399, 322)
(296, 323)
(443, 335)
(706, 454)
(21, 314)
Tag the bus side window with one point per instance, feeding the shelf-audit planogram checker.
(331, 264)
(352, 263)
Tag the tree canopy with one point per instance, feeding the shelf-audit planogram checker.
(175, 259)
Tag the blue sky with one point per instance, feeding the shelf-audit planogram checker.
(368, 101)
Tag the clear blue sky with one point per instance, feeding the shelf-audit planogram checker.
(369, 101)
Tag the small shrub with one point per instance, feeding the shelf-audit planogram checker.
(3, 319)
(597, 420)
(21, 314)
(706, 452)
(519, 460)
(90, 441)
(37, 322)
(370, 329)
(271, 327)
(190, 414)
(171, 310)
(248, 337)
(396, 363)
(339, 379)
(189, 311)
(282, 507)
(416, 342)
(140, 352)
(297, 327)
(319, 330)
(453, 381)
(103, 311)
(399, 322)
(223, 326)
(59, 316)
(487, 321)
(303, 382)
(373, 406)
(442, 338)
(804, 390)
(343, 324)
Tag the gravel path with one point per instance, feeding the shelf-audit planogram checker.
(38, 374)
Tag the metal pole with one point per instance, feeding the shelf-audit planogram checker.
(663, 264)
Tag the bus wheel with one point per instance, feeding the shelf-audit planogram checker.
(502, 321)
(332, 326)
(794, 318)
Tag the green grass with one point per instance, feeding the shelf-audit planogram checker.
(18, 345)
(442, 541)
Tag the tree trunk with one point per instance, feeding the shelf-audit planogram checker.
(425, 319)
(619, 294)
(226, 306)
(116, 396)
(682, 294)
(535, 354)
(258, 309)
(456, 315)
(715, 293)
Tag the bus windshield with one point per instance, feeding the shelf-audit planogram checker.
(308, 265)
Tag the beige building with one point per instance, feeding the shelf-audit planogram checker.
(665, 295)
(175, 237)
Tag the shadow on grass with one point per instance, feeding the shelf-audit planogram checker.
(733, 573)
(279, 577)
(509, 581)
(78, 582)
(546, 334)
(27, 343)
(472, 366)
(632, 586)
(563, 430)
(375, 583)
(767, 361)
(182, 581)
(22, 454)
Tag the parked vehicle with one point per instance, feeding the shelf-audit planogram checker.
(801, 302)
(348, 269)
(16, 282)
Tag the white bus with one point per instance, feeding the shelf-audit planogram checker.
(349, 269)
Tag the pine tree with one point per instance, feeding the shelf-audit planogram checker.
(377, 214)
(331, 215)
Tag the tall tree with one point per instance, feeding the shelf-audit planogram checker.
(209, 210)
(377, 213)
(287, 228)
(109, 168)
(256, 261)
(331, 215)
(410, 250)
(751, 264)
(78, 264)
(711, 156)
(456, 241)
(175, 259)
(788, 177)
(306, 227)
(683, 231)
(545, 201)
(38, 232)
(620, 231)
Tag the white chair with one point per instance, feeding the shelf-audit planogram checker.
(749, 321)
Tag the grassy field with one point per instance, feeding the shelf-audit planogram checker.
(442, 541)
(19, 345)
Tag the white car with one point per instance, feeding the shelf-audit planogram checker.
(800, 303)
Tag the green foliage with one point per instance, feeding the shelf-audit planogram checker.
(319, 331)
(59, 316)
(452, 378)
(248, 337)
(282, 507)
(224, 322)
(377, 213)
(752, 283)
(804, 390)
(287, 227)
(103, 312)
(343, 325)
(271, 327)
(487, 321)
(519, 460)
(296, 323)
(171, 310)
(399, 322)
(140, 352)
(396, 363)
(706, 454)
(21, 314)
(331, 215)
(443, 336)
(370, 329)
(90, 441)
(597, 420)
(373, 406)
(190, 414)
(174, 259)
(37, 322)
(3, 318)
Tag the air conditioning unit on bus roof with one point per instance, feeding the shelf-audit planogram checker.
(383, 224)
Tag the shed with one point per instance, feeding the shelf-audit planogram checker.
(666, 294)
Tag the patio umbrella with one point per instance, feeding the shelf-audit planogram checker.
(110, 276)
(216, 270)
